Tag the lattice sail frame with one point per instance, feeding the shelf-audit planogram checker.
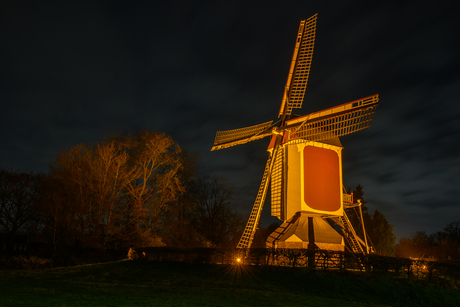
(277, 183)
(299, 70)
(254, 217)
(303, 65)
(336, 126)
(335, 122)
(233, 137)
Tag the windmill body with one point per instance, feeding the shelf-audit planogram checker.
(306, 187)
(307, 176)
(305, 163)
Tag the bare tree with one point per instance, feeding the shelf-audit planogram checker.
(20, 194)
(176, 219)
(117, 188)
(155, 161)
(214, 214)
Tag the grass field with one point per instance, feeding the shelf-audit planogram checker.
(150, 283)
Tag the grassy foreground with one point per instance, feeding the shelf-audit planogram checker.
(149, 283)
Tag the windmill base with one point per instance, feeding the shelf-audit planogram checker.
(306, 231)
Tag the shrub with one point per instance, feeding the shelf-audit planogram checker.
(24, 263)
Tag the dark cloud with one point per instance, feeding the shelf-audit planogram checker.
(73, 73)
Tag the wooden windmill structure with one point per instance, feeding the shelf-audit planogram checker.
(305, 163)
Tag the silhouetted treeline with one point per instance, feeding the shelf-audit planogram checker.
(129, 190)
(443, 244)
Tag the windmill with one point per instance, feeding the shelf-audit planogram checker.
(304, 164)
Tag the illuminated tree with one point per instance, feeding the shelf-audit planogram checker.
(86, 185)
(117, 188)
(155, 161)
(176, 218)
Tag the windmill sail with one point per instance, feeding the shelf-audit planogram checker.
(300, 66)
(277, 184)
(254, 217)
(228, 138)
(334, 122)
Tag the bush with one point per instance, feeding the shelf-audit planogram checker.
(24, 263)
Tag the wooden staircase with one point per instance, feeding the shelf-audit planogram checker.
(350, 235)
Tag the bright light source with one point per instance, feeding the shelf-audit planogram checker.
(238, 259)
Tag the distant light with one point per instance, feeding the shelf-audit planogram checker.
(238, 259)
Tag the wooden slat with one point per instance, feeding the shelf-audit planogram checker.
(251, 226)
(333, 122)
(299, 69)
(335, 126)
(302, 66)
(234, 137)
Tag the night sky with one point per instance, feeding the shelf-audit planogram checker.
(74, 72)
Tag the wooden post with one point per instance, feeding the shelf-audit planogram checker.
(364, 229)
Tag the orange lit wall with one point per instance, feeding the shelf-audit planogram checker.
(321, 179)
